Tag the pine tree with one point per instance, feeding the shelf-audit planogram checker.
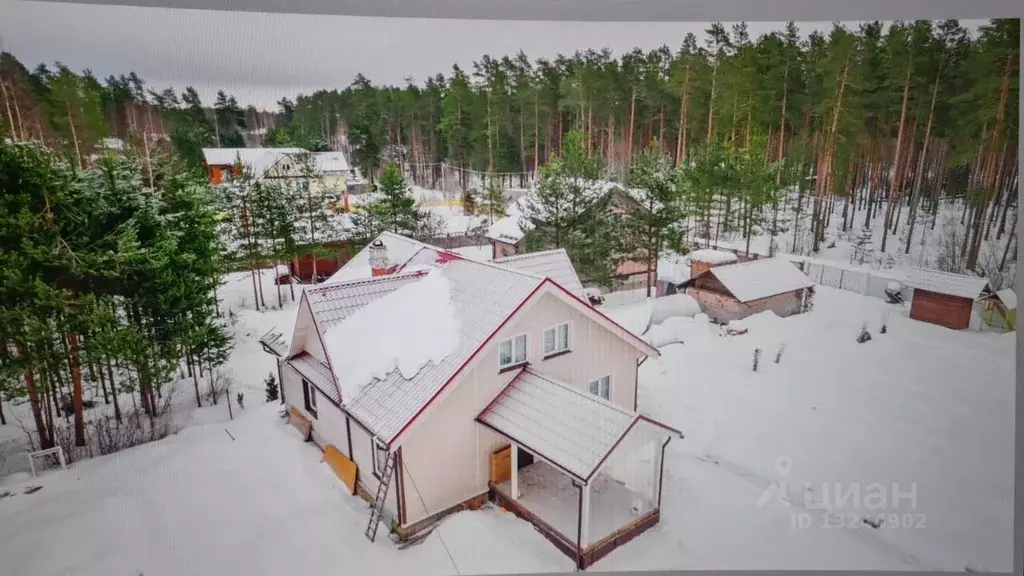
(652, 224)
(393, 207)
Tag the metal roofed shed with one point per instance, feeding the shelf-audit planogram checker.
(735, 291)
(947, 299)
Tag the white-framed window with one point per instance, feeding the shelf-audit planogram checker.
(380, 456)
(512, 351)
(556, 339)
(309, 395)
(601, 387)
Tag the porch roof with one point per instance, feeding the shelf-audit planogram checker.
(316, 373)
(571, 429)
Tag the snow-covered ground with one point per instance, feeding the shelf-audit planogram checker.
(925, 408)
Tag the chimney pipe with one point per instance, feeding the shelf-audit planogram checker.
(378, 259)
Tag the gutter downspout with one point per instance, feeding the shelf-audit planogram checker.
(579, 528)
(661, 470)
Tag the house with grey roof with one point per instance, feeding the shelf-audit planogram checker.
(435, 383)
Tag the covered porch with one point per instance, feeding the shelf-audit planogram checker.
(585, 472)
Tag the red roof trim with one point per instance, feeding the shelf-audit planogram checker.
(464, 364)
(612, 449)
(319, 335)
(643, 343)
(504, 389)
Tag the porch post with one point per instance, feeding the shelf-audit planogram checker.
(585, 517)
(515, 471)
(656, 473)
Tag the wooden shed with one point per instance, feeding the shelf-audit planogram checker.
(735, 291)
(947, 299)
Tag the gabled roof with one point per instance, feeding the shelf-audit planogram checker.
(258, 159)
(483, 297)
(710, 256)
(572, 429)
(948, 283)
(554, 264)
(399, 249)
(758, 279)
(330, 162)
(316, 373)
(1009, 298)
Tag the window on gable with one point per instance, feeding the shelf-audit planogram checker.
(309, 396)
(512, 351)
(601, 387)
(556, 339)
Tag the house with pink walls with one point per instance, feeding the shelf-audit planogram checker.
(445, 383)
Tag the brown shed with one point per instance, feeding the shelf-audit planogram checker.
(735, 291)
(946, 299)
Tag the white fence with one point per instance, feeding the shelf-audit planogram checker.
(866, 282)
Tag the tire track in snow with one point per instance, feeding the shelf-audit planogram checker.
(794, 499)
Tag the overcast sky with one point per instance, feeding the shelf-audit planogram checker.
(261, 57)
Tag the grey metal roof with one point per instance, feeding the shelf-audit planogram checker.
(947, 283)
(573, 429)
(554, 264)
(483, 296)
(316, 373)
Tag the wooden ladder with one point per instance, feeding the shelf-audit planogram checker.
(382, 494)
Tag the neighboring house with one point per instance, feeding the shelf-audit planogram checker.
(221, 162)
(332, 175)
(735, 291)
(279, 164)
(554, 264)
(435, 383)
(946, 299)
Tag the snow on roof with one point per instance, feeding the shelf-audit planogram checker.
(482, 297)
(254, 157)
(1009, 298)
(759, 279)
(635, 316)
(568, 427)
(947, 283)
(554, 264)
(709, 256)
(331, 161)
(507, 230)
(379, 337)
(316, 373)
(399, 250)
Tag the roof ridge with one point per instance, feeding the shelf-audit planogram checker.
(489, 264)
(525, 255)
(373, 279)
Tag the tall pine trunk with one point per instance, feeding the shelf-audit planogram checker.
(45, 436)
(76, 394)
(899, 149)
(912, 215)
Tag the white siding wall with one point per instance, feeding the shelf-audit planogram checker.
(329, 428)
(447, 455)
(362, 451)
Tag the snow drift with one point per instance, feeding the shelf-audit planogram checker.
(382, 336)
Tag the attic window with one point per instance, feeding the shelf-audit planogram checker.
(556, 339)
(512, 352)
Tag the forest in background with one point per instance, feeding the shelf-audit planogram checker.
(111, 261)
(915, 111)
